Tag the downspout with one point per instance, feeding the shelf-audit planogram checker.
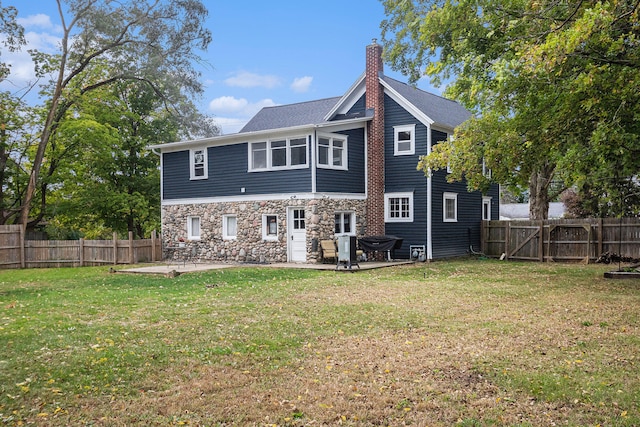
(429, 201)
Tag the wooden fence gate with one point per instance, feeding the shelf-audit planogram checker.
(561, 240)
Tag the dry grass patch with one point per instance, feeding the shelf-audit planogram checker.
(465, 343)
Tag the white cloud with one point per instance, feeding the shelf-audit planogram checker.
(301, 84)
(248, 80)
(38, 21)
(231, 113)
(228, 104)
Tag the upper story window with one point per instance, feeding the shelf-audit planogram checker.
(289, 153)
(332, 151)
(486, 171)
(345, 223)
(398, 207)
(404, 140)
(198, 163)
(450, 207)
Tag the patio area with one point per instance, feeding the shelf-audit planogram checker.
(175, 268)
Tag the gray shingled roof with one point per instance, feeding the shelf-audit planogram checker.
(284, 116)
(441, 110)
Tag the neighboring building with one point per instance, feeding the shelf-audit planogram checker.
(297, 174)
(520, 211)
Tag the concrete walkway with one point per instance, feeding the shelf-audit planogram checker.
(175, 269)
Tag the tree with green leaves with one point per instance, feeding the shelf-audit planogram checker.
(552, 84)
(150, 42)
(111, 184)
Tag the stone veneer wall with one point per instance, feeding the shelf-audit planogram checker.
(249, 245)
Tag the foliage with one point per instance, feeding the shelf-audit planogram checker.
(553, 81)
(13, 35)
(393, 346)
(151, 42)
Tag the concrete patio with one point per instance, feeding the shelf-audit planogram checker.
(175, 269)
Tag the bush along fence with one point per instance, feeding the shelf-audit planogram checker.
(563, 240)
(16, 252)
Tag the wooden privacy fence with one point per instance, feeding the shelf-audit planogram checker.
(562, 239)
(16, 252)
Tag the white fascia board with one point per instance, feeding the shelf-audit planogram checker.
(345, 103)
(238, 138)
(402, 101)
(264, 197)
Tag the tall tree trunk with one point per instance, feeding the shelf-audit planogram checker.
(539, 192)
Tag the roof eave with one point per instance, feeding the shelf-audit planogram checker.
(248, 136)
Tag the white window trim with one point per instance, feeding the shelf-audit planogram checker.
(192, 164)
(352, 220)
(486, 201)
(412, 141)
(445, 197)
(486, 172)
(190, 234)
(387, 211)
(265, 228)
(345, 157)
(225, 218)
(269, 167)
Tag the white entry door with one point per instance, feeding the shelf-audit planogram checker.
(297, 235)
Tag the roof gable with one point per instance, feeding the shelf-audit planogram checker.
(436, 109)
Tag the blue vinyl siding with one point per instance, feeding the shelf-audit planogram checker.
(457, 238)
(401, 176)
(448, 238)
(227, 175)
(351, 180)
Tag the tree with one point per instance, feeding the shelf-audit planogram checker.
(13, 35)
(548, 81)
(152, 42)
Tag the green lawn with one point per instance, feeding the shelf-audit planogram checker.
(468, 343)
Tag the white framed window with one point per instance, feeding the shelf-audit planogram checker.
(198, 163)
(229, 227)
(404, 140)
(398, 207)
(276, 154)
(332, 151)
(193, 228)
(345, 223)
(486, 208)
(269, 227)
(450, 207)
(486, 171)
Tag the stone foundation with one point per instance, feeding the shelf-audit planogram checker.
(249, 246)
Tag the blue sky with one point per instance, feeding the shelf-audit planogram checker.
(263, 53)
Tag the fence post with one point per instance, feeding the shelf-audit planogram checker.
(115, 248)
(541, 242)
(131, 254)
(153, 245)
(81, 251)
(23, 255)
(507, 237)
(600, 237)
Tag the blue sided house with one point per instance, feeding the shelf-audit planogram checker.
(299, 174)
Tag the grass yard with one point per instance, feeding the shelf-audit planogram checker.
(455, 343)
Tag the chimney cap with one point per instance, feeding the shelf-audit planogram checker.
(374, 41)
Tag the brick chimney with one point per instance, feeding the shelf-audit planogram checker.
(375, 146)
